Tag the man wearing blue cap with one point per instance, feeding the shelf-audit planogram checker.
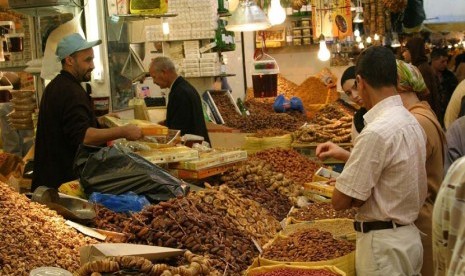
(66, 118)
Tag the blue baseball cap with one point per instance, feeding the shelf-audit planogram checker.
(73, 43)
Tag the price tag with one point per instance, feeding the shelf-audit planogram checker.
(258, 246)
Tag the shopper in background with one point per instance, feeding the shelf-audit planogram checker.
(449, 224)
(459, 69)
(385, 173)
(66, 118)
(414, 53)
(455, 142)
(447, 82)
(13, 140)
(410, 85)
(456, 106)
(347, 84)
(184, 111)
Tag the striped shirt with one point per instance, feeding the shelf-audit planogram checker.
(449, 223)
(386, 168)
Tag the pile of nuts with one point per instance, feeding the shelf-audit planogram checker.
(300, 272)
(33, 236)
(331, 123)
(277, 204)
(321, 210)
(216, 222)
(309, 245)
(261, 115)
(120, 265)
(226, 109)
(289, 162)
(261, 172)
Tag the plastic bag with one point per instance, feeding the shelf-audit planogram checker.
(296, 104)
(281, 104)
(129, 202)
(110, 170)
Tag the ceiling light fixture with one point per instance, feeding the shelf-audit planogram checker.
(248, 17)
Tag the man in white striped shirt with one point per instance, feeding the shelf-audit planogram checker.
(385, 173)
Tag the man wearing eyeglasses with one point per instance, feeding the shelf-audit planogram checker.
(385, 173)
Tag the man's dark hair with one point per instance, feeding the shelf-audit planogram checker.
(439, 52)
(377, 66)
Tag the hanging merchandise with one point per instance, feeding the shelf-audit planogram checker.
(342, 18)
(265, 75)
(224, 39)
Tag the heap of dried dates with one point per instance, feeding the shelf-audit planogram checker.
(289, 162)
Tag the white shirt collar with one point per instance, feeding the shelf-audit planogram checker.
(381, 106)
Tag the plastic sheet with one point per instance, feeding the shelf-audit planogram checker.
(110, 170)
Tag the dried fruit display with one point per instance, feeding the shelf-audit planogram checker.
(289, 162)
(272, 132)
(262, 172)
(300, 272)
(226, 108)
(33, 236)
(217, 222)
(309, 245)
(321, 210)
(121, 265)
(277, 204)
(332, 123)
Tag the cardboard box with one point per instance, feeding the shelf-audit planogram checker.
(319, 188)
(324, 174)
(99, 251)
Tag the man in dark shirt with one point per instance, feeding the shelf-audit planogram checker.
(66, 118)
(184, 111)
(447, 82)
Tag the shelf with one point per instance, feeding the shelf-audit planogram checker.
(211, 76)
(134, 17)
(301, 28)
(181, 39)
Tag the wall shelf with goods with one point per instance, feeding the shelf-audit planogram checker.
(297, 30)
(193, 36)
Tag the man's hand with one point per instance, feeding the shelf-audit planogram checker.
(132, 132)
(329, 149)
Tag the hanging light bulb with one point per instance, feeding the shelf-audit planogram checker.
(368, 40)
(276, 14)
(361, 46)
(358, 13)
(358, 18)
(356, 32)
(165, 26)
(449, 46)
(358, 39)
(376, 37)
(323, 53)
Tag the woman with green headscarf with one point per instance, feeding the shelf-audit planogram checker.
(411, 84)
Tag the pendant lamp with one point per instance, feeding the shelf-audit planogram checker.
(248, 17)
